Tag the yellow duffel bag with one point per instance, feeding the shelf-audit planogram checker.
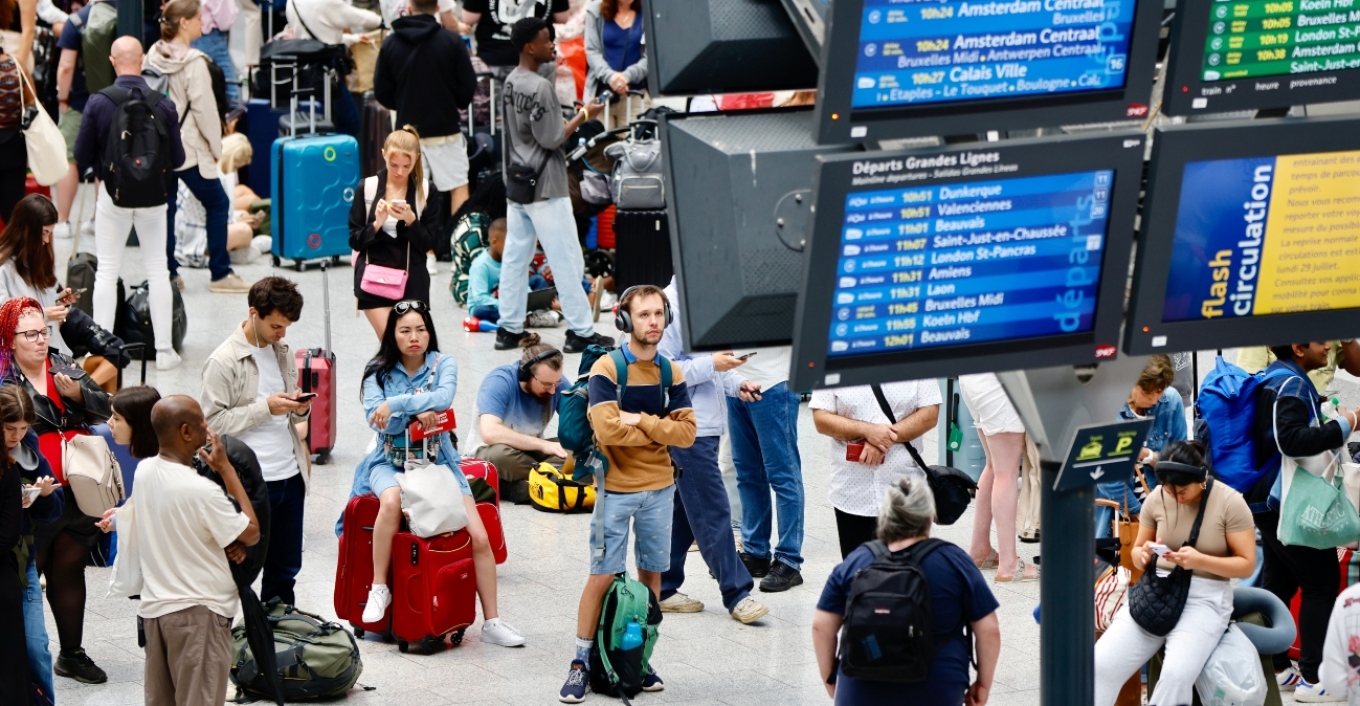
(552, 490)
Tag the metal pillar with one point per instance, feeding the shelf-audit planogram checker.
(130, 19)
(1067, 625)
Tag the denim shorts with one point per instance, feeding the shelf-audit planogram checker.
(384, 475)
(650, 511)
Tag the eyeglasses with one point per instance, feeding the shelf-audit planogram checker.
(34, 335)
(409, 305)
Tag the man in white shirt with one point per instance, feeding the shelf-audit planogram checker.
(250, 392)
(764, 436)
(186, 529)
(869, 447)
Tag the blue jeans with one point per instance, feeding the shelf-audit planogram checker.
(551, 224)
(649, 514)
(218, 206)
(486, 312)
(284, 558)
(765, 451)
(214, 44)
(35, 630)
(703, 515)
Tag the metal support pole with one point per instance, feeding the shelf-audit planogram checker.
(130, 19)
(1067, 627)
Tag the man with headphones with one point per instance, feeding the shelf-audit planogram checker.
(639, 410)
(514, 406)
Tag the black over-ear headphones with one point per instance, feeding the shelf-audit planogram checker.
(526, 368)
(623, 320)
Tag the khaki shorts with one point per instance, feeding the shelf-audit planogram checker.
(69, 124)
(446, 159)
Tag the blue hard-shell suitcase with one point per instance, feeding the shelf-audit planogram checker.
(314, 181)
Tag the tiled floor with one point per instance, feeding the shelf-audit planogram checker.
(705, 658)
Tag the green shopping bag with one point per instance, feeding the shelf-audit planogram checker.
(1316, 512)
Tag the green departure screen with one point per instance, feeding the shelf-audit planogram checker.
(1263, 38)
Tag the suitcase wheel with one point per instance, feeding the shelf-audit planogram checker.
(433, 644)
(323, 456)
(335, 259)
(275, 258)
(403, 646)
(299, 265)
(457, 638)
(358, 632)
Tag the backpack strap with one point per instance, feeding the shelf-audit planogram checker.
(666, 378)
(879, 548)
(620, 372)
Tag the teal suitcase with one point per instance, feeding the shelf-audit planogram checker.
(313, 188)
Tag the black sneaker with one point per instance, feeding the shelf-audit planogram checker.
(782, 577)
(78, 666)
(758, 567)
(576, 344)
(507, 340)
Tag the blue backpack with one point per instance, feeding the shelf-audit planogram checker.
(1227, 408)
(573, 420)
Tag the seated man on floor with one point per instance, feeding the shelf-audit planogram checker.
(514, 406)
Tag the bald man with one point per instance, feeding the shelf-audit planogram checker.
(134, 198)
(184, 528)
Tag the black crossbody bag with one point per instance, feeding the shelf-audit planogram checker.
(953, 489)
(1156, 602)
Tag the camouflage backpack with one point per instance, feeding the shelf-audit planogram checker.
(471, 235)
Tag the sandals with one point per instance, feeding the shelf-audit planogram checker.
(1022, 573)
(989, 562)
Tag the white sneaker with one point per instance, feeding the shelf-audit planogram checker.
(379, 597)
(1289, 679)
(432, 264)
(62, 230)
(1314, 694)
(167, 360)
(499, 632)
(680, 603)
(749, 610)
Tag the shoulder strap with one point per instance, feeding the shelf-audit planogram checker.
(117, 94)
(920, 550)
(879, 548)
(304, 22)
(666, 378)
(887, 412)
(1199, 516)
(620, 372)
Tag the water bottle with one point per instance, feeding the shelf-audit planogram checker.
(1329, 409)
(632, 636)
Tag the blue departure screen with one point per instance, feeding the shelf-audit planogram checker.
(914, 52)
(971, 262)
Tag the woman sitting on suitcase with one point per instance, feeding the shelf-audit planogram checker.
(392, 226)
(67, 403)
(410, 381)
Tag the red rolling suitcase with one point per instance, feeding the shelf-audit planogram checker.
(354, 566)
(486, 492)
(434, 592)
(316, 373)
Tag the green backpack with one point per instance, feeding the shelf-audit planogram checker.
(316, 658)
(471, 236)
(96, 43)
(625, 639)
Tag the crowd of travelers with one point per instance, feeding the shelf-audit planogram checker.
(683, 449)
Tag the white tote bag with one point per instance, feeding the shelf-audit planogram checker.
(46, 147)
(431, 497)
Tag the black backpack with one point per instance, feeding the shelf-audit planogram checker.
(136, 149)
(887, 634)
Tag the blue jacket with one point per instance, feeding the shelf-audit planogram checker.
(98, 115)
(707, 386)
(1168, 421)
(399, 391)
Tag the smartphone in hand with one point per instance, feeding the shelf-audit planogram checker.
(1159, 549)
(854, 450)
(305, 397)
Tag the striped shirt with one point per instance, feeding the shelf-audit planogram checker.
(638, 455)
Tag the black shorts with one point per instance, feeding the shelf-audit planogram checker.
(80, 526)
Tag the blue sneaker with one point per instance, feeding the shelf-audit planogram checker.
(652, 682)
(574, 691)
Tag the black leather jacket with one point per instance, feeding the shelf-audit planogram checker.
(94, 409)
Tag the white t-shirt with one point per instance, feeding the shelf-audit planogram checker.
(184, 522)
(855, 488)
(271, 442)
(768, 368)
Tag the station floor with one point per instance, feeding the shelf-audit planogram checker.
(706, 658)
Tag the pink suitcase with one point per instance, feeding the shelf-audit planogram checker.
(316, 373)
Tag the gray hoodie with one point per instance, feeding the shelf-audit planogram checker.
(191, 90)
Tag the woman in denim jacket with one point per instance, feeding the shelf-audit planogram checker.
(410, 381)
(1153, 398)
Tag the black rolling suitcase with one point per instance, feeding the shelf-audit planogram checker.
(642, 249)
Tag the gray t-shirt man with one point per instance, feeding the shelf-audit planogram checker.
(534, 130)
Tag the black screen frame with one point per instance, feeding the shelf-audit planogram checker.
(1174, 147)
(1121, 151)
(838, 122)
(1184, 85)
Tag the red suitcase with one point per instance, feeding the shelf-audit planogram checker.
(486, 492)
(435, 589)
(316, 373)
(354, 566)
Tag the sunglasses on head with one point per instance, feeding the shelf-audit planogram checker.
(403, 307)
